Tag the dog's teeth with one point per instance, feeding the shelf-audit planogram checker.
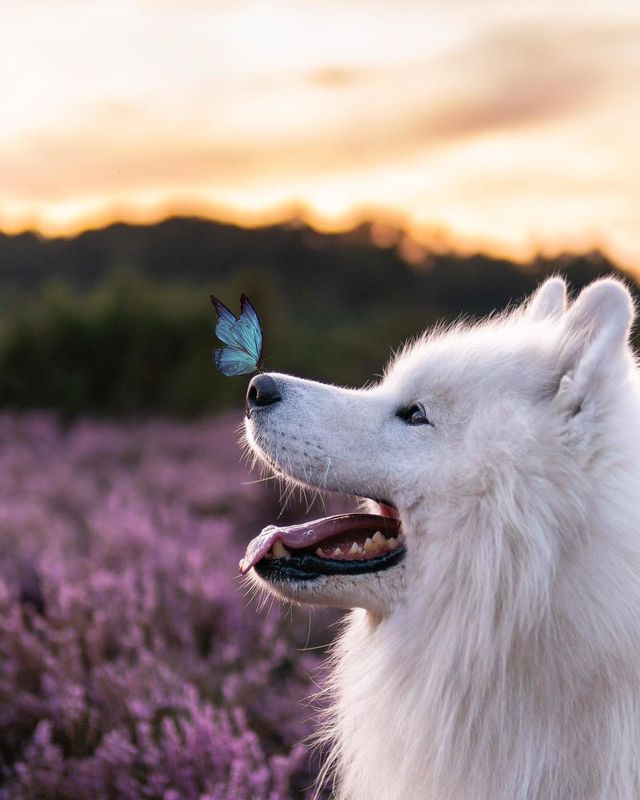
(355, 548)
(337, 552)
(279, 550)
(320, 552)
(369, 546)
(379, 539)
(392, 543)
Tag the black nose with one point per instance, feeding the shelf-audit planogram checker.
(262, 391)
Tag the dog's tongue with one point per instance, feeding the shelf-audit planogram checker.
(310, 533)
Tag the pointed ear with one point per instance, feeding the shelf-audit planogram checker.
(550, 300)
(595, 336)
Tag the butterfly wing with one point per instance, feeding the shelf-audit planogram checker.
(249, 330)
(242, 335)
(226, 321)
(233, 361)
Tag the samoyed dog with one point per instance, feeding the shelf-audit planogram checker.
(493, 647)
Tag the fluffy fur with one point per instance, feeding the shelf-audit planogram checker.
(501, 659)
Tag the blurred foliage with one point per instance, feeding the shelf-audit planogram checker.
(118, 321)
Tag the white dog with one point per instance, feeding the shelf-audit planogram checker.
(493, 652)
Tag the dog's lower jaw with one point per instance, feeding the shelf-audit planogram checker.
(377, 593)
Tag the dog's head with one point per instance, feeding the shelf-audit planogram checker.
(464, 442)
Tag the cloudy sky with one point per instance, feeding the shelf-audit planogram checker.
(506, 124)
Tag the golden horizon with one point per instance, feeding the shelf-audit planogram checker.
(392, 225)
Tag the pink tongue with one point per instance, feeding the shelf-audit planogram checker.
(310, 533)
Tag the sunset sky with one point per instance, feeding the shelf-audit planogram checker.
(510, 125)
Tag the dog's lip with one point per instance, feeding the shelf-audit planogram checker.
(387, 509)
(307, 534)
(302, 565)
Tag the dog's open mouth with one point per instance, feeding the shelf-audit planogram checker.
(345, 544)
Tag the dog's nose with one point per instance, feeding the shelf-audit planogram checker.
(262, 391)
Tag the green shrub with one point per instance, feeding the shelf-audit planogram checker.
(125, 348)
(136, 343)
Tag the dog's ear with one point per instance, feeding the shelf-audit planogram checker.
(594, 340)
(550, 300)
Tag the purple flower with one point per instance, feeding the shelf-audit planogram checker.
(131, 663)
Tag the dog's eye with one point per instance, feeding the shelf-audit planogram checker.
(414, 414)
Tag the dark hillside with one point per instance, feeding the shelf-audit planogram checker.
(117, 320)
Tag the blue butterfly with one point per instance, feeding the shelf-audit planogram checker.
(242, 337)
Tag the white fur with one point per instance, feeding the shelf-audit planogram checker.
(501, 659)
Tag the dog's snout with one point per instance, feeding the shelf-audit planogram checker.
(262, 391)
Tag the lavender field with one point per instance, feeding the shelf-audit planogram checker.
(132, 665)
